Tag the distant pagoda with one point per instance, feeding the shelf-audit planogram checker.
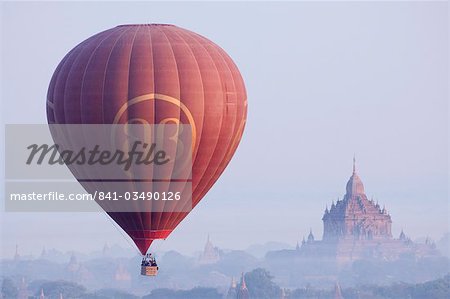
(356, 228)
(16, 254)
(232, 292)
(23, 290)
(122, 274)
(355, 216)
(243, 291)
(337, 291)
(238, 291)
(210, 254)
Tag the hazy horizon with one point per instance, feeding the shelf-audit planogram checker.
(324, 80)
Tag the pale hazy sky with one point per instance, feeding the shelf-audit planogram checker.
(324, 80)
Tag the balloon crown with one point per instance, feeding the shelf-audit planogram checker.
(151, 24)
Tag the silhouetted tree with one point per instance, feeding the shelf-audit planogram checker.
(67, 289)
(260, 285)
(195, 293)
(110, 293)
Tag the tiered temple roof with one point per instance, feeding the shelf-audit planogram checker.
(355, 216)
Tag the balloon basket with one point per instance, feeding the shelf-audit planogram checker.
(149, 270)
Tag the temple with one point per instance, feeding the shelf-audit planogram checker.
(243, 291)
(122, 277)
(210, 254)
(337, 291)
(356, 228)
(23, 290)
(232, 292)
(355, 217)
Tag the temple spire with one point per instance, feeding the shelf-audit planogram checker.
(232, 291)
(243, 291)
(354, 164)
(337, 291)
(310, 236)
(233, 283)
(243, 284)
(17, 255)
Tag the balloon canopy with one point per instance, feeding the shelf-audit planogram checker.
(153, 74)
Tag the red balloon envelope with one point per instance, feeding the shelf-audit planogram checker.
(122, 75)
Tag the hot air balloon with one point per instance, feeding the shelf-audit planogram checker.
(154, 73)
